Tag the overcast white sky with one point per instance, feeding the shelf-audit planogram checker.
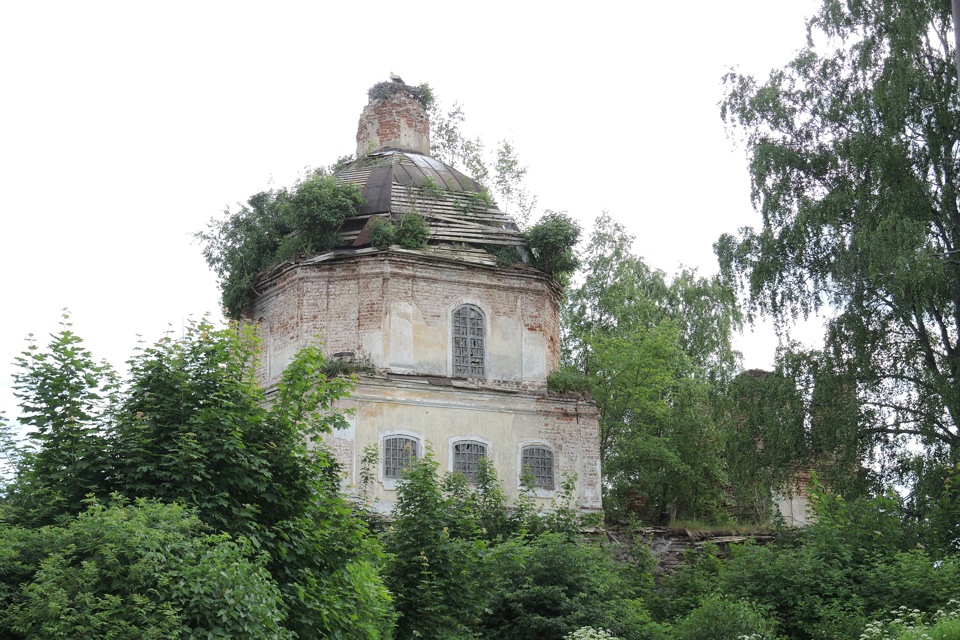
(124, 126)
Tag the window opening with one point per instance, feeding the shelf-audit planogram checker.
(538, 464)
(468, 341)
(466, 458)
(399, 453)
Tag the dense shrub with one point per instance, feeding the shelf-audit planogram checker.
(568, 380)
(382, 233)
(412, 231)
(271, 227)
(552, 240)
(719, 618)
(554, 585)
(191, 427)
(141, 571)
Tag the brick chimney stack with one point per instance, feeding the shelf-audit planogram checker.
(394, 118)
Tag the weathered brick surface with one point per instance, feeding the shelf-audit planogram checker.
(395, 307)
(397, 121)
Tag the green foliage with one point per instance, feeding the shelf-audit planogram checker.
(435, 563)
(463, 564)
(481, 200)
(851, 162)
(347, 367)
(314, 210)
(65, 397)
(679, 591)
(10, 453)
(274, 226)
(411, 231)
(589, 633)
(620, 291)
(942, 531)
(193, 427)
(657, 353)
(719, 618)
(508, 176)
(554, 585)
(141, 571)
(568, 380)
(450, 144)
(767, 441)
(858, 560)
(913, 624)
(430, 189)
(382, 233)
(551, 241)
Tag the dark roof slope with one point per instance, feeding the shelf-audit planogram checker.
(454, 205)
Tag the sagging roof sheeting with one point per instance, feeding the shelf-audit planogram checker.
(397, 182)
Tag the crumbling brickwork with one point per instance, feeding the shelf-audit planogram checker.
(395, 308)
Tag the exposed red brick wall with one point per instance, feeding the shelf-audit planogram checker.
(397, 121)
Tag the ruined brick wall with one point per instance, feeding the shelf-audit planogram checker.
(439, 415)
(396, 308)
(397, 121)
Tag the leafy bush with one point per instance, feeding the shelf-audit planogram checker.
(435, 565)
(412, 231)
(551, 241)
(719, 618)
(314, 210)
(192, 427)
(146, 571)
(554, 585)
(382, 233)
(568, 380)
(271, 227)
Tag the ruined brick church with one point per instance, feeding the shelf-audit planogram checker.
(460, 344)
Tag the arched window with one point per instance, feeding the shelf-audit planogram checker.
(399, 453)
(537, 463)
(468, 341)
(466, 458)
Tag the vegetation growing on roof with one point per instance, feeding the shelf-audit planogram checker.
(382, 233)
(478, 201)
(274, 226)
(551, 241)
(410, 232)
(423, 93)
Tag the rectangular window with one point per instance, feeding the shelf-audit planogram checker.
(399, 453)
(466, 458)
(538, 464)
(468, 341)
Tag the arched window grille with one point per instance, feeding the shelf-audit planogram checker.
(466, 458)
(399, 453)
(468, 341)
(537, 464)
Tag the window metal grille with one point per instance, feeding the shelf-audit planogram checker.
(538, 463)
(399, 452)
(466, 458)
(468, 341)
